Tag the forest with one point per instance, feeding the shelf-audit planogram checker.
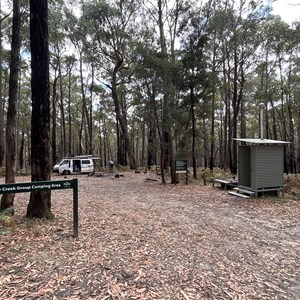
(144, 83)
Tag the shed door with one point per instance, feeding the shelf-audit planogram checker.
(245, 166)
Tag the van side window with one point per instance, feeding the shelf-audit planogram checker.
(85, 162)
(64, 162)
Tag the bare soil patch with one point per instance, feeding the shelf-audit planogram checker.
(139, 239)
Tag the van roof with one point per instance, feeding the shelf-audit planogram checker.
(80, 157)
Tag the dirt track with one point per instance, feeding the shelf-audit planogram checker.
(139, 239)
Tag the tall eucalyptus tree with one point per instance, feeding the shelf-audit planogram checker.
(40, 201)
(11, 121)
(275, 69)
(282, 47)
(194, 74)
(109, 28)
(58, 48)
(235, 26)
(294, 89)
(3, 17)
(163, 21)
(148, 92)
(69, 62)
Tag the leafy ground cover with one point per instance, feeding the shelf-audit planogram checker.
(139, 239)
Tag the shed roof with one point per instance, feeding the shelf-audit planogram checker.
(262, 141)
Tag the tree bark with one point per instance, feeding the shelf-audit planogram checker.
(193, 132)
(62, 110)
(40, 201)
(69, 113)
(2, 144)
(120, 117)
(54, 121)
(11, 153)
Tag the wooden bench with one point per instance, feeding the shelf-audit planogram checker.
(225, 184)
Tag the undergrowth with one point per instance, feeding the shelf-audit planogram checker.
(7, 221)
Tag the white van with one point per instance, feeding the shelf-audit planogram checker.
(76, 165)
(56, 167)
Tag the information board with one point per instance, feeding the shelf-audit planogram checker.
(181, 166)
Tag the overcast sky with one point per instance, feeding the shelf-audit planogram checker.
(289, 10)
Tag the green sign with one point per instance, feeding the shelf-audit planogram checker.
(13, 188)
(181, 166)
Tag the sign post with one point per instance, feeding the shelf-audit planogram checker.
(181, 166)
(26, 187)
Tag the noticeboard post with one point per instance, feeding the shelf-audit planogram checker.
(181, 166)
(26, 187)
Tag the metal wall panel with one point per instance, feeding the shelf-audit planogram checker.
(261, 166)
(269, 166)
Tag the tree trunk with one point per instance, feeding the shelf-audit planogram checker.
(292, 156)
(80, 133)
(69, 114)
(54, 120)
(233, 166)
(2, 144)
(143, 158)
(22, 147)
(193, 132)
(152, 133)
(11, 151)
(212, 134)
(298, 147)
(40, 201)
(105, 142)
(90, 113)
(62, 111)
(121, 118)
(205, 143)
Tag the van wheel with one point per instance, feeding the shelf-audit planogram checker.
(66, 172)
